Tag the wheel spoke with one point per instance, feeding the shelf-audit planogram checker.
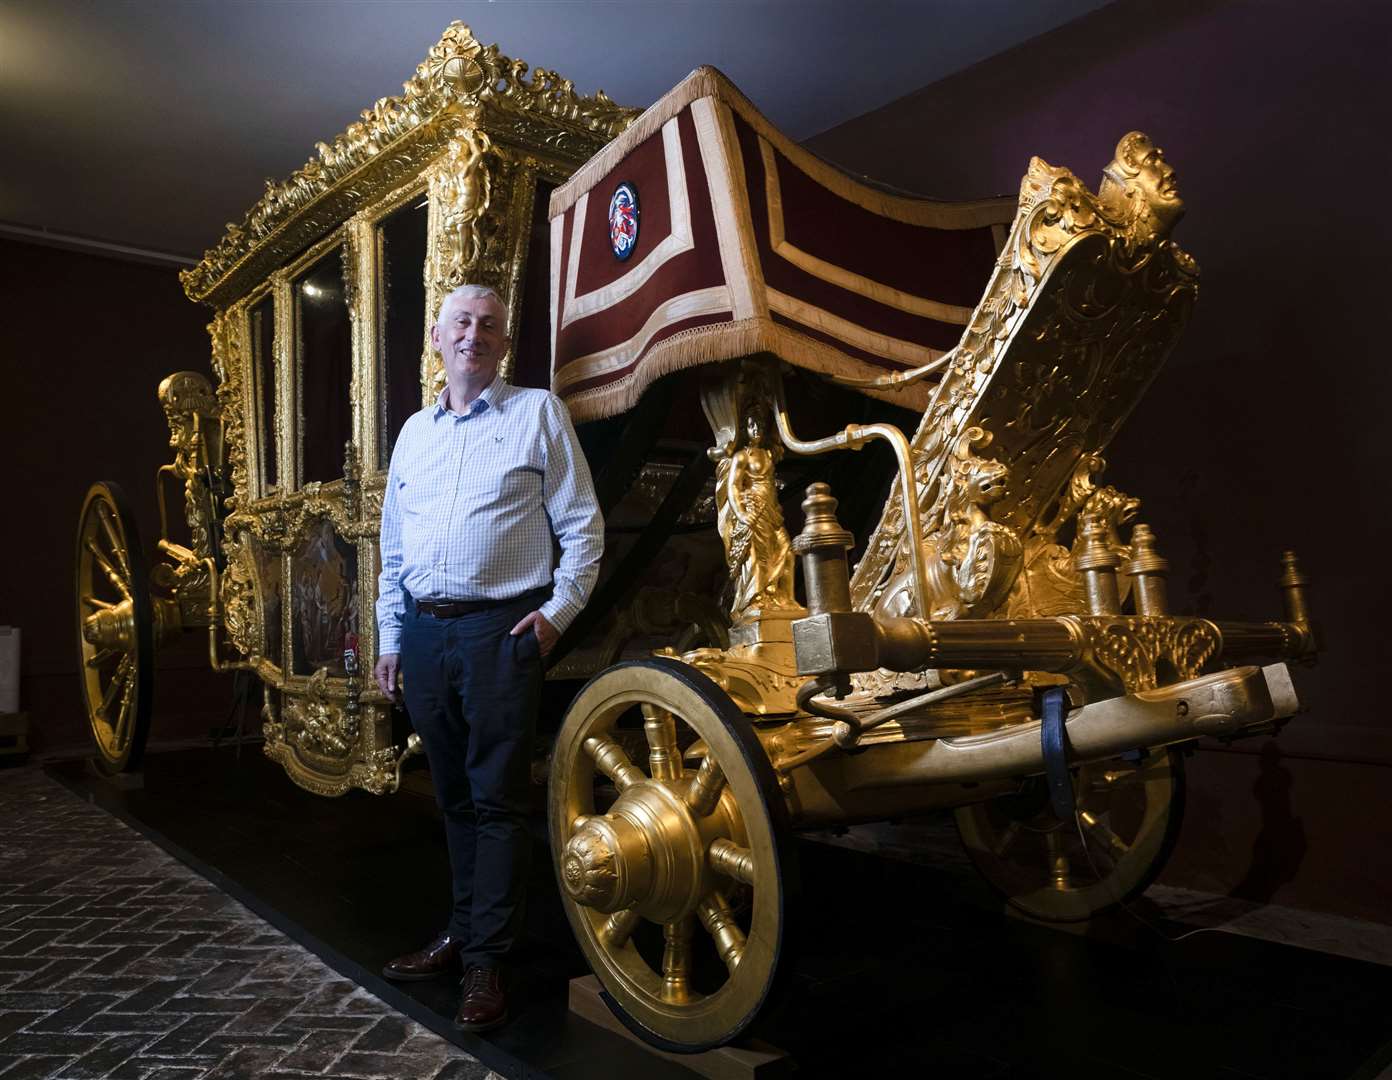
(719, 921)
(728, 858)
(1006, 839)
(98, 658)
(117, 548)
(676, 961)
(706, 786)
(97, 603)
(1060, 872)
(1112, 779)
(118, 681)
(660, 728)
(123, 719)
(1095, 826)
(618, 927)
(610, 759)
(109, 570)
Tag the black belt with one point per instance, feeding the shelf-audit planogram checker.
(453, 609)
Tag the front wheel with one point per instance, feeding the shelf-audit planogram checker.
(676, 880)
(115, 628)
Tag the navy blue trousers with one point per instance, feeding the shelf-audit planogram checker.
(472, 692)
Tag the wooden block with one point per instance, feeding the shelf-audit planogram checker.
(744, 1060)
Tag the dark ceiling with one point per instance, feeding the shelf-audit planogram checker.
(153, 123)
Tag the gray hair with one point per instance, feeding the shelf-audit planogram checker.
(474, 291)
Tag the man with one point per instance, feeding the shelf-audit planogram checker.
(484, 486)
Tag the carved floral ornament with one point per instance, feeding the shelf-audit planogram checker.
(457, 75)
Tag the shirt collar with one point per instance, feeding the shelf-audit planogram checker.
(492, 397)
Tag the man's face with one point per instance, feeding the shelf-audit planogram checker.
(471, 338)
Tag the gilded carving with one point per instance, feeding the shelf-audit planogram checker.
(242, 613)
(315, 722)
(760, 677)
(395, 138)
(751, 525)
(972, 561)
(748, 515)
(1131, 649)
(229, 366)
(1050, 583)
(1079, 356)
(191, 410)
(461, 188)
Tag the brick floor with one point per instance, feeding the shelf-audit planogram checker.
(116, 960)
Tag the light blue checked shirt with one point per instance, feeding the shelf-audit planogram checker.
(478, 503)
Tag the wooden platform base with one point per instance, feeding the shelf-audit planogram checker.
(745, 1060)
(123, 781)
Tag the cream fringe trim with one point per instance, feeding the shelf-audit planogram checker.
(707, 81)
(731, 341)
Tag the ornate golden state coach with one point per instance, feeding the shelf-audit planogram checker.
(714, 305)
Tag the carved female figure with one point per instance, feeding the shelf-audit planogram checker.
(751, 524)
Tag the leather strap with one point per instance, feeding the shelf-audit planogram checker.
(1054, 739)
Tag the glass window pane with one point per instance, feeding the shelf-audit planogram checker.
(263, 387)
(326, 367)
(401, 239)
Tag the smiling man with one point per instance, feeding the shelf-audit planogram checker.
(485, 486)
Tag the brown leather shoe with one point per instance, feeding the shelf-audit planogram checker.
(437, 958)
(484, 1005)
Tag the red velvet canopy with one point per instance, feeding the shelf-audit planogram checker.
(747, 243)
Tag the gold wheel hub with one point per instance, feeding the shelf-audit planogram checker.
(648, 853)
(111, 628)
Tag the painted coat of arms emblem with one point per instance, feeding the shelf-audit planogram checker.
(623, 220)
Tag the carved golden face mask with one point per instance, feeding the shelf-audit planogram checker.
(1140, 184)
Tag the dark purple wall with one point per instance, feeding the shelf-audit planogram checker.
(84, 342)
(1266, 429)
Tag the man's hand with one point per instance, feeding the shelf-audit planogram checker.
(385, 673)
(546, 634)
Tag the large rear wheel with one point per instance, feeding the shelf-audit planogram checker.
(676, 880)
(115, 628)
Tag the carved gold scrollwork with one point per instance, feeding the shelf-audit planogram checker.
(1133, 649)
(229, 365)
(396, 135)
(242, 612)
(972, 561)
(316, 723)
(1087, 298)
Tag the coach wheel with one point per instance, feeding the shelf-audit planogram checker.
(675, 877)
(1128, 812)
(115, 628)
